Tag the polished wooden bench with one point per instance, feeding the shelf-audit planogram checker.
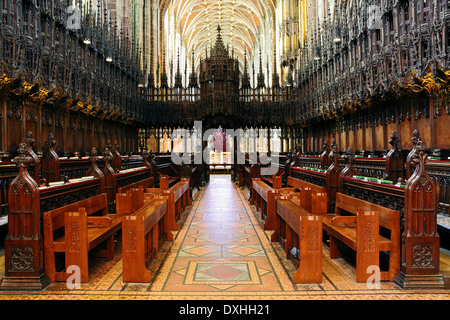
(129, 201)
(143, 235)
(300, 184)
(360, 231)
(179, 198)
(165, 182)
(133, 200)
(276, 181)
(263, 197)
(81, 233)
(145, 183)
(298, 229)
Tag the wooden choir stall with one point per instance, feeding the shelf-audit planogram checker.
(61, 211)
(381, 208)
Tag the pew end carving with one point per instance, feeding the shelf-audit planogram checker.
(24, 235)
(300, 234)
(143, 235)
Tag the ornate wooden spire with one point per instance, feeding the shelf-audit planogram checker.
(219, 49)
(178, 75)
(246, 77)
(193, 76)
(24, 265)
(325, 156)
(332, 177)
(261, 77)
(394, 160)
(164, 83)
(50, 160)
(415, 141)
(29, 141)
(420, 239)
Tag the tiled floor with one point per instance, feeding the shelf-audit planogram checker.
(221, 252)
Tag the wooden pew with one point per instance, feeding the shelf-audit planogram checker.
(276, 181)
(300, 184)
(297, 228)
(143, 235)
(145, 183)
(179, 199)
(82, 233)
(45, 198)
(360, 232)
(126, 178)
(129, 201)
(263, 197)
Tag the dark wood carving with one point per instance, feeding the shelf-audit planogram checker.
(415, 140)
(325, 156)
(50, 160)
(110, 180)
(29, 141)
(349, 158)
(117, 158)
(332, 177)
(24, 265)
(420, 239)
(95, 171)
(154, 165)
(348, 170)
(145, 155)
(394, 160)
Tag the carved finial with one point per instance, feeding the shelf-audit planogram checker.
(333, 143)
(107, 155)
(51, 142)
(325, 145)
(334, 154)
(350, 155)
(394, 142)
(420, 156)
(94, 152)
(23, 160)
(415, 137)
(93, 156)
(29, 140)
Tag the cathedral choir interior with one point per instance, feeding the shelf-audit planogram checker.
(224, 150)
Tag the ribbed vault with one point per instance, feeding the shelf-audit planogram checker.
(241, 22)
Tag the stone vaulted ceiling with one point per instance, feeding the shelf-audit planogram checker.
(240, 21)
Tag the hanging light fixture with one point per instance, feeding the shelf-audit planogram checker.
(337, 34)
(87, 36)
(316, 53)
(109, 56)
